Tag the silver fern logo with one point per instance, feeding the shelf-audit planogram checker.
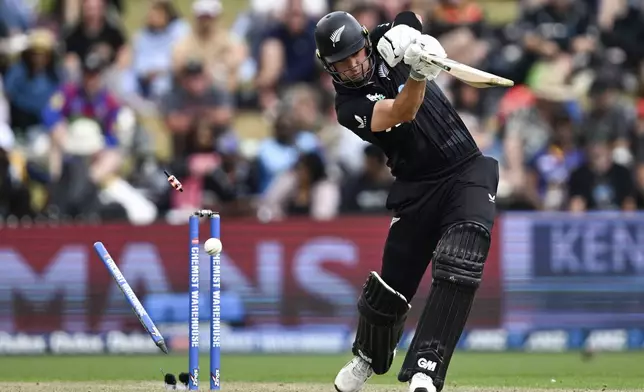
(335, 36)
(383, 71)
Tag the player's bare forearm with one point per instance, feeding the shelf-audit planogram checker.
(388, 113)
(410, 98)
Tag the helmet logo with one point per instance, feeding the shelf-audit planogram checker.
(335, 36)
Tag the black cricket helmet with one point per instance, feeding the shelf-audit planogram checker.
(339, 35)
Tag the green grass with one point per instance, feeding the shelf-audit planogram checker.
(609, 370)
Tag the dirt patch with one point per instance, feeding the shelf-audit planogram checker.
(239, 387)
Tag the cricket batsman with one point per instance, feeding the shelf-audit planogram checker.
(443, 198)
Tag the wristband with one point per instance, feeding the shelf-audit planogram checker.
(417, 76)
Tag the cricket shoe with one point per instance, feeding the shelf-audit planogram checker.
(421, 382)
(353, 375)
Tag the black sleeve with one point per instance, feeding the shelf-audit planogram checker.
(73, 41)
(576, 184)
(116, 38)
(527, 24)
(406, 18)
(584, 24)
(355, 113)
(625, 184)
(218, 182)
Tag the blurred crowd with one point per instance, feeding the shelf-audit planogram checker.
(91, 114)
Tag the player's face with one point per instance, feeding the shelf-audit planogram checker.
(354, 67)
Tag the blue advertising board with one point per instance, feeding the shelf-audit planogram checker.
(573, 271)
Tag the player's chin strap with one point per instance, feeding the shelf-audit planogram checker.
(457, 269)
(383, 312)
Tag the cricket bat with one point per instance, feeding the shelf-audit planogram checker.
(470, 75)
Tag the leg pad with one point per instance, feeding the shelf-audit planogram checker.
(383, 312)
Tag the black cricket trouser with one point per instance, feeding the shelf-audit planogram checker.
(425, 210)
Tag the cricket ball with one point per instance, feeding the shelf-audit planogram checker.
(212, 246)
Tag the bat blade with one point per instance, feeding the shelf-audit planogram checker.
(470, 75)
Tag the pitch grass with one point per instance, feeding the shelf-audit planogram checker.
(248, 387)
(476, 372)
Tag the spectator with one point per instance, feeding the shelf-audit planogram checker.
(152, 48)
(253, 23)
(485, 139)
(30, 82)
(639, 186)
(622, 33)
(304, 190)
(468, 99)
(95, 32)
(230, 185)
(66, 12)
(280, 152)
(305, 105)
(368, 14)
(313, 8)
(221, 180)
(74, 193)
(527, 131)
(91, 100)
(610, 118)
(16, 16)
(556, 31)
(637, 143)
(287, 56)
(342, 148)
(78, 193)
(15, 198)
(241, 173)
(4, 108)
(367, 192)
(391, 8)
(550, 169)
(196, 111)
(461, 28)
(250, 25)
(221, 52)
(601, 184)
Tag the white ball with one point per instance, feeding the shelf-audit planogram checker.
(213, 246)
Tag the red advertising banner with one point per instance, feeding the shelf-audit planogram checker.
(289, 273)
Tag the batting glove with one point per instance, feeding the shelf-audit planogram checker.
(425, 44)
(394, 43)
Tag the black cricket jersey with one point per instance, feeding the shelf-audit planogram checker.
(434, 143)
